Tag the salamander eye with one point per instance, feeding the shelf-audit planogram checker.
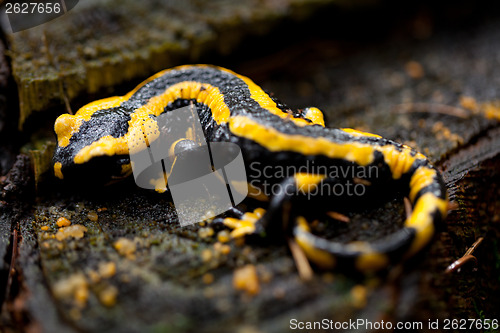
(184, 145)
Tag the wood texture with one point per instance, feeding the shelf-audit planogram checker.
(439, 95)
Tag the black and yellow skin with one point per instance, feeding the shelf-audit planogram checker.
(232, 108)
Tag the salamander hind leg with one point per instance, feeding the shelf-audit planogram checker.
(269, 222)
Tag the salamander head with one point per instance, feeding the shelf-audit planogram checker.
(88, 145)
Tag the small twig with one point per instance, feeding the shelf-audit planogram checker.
(460, 262)
(457, 264)
(301, 262)
(338, 216)
(362, 181)
(474, 246)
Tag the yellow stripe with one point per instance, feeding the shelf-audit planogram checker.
(244, 225)
(422, 178)
(256, 93)
(315, 115)
(57, 170)
(399, 162)
(421, 220)
(171, 150)
(107, 145)
(201, 92)
(256, 193)
(307, 182)
(359, 133)
(274, 140)
(265, 102)
(360, 153)
(142, 127)
(319, 257)
(66, 125)
(371, 261)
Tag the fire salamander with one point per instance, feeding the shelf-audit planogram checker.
(232, 108)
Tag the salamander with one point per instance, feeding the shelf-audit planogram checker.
(232, 108)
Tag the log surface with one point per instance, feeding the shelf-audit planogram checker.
(135, 269)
